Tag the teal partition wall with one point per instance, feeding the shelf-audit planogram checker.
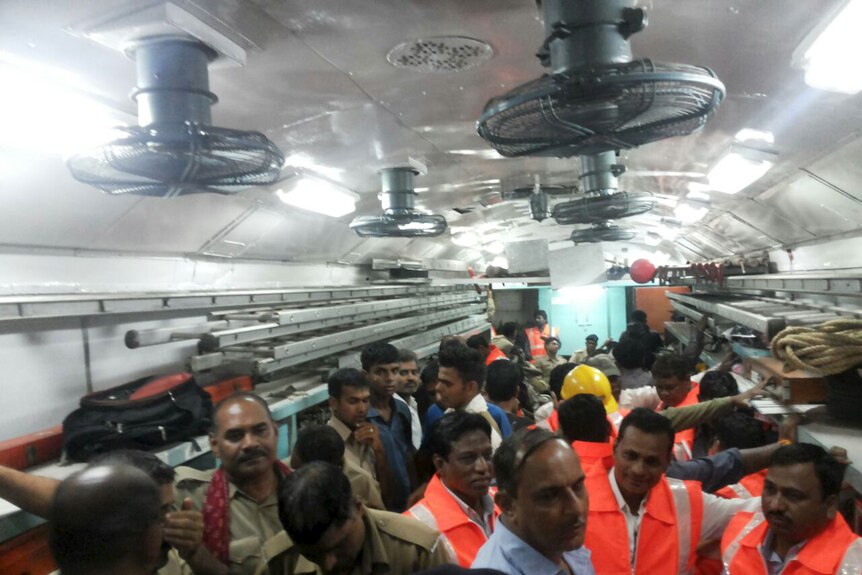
(577, 312)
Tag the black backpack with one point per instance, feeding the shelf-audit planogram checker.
(147, 413)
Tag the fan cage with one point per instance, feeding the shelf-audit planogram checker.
(172, 159)
(618, 106)
(399, 225)
(599, 208)
(602, 233)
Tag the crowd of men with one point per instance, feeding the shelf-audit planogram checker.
(476, 461)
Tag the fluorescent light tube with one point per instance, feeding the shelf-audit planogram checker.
(320, 196)
(734, 172)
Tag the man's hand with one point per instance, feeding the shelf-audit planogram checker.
(368, 434)
(787, 427)
(184, 530)
(840, 454)
(742, 400)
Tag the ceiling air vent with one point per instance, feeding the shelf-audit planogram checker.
(440, 54)
(175, 151)
(400, 218)
(597, 98)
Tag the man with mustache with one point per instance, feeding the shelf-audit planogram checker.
(544, 503)
(641, 522)
(798, 530)
(408, 384)
(239, 499)
(456, 501)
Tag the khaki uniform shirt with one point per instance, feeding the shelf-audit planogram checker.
(251, 523)
(359, 454)
(394, 544)
(364, 486)
(546, 364)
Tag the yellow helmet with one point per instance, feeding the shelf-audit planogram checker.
(586, 379)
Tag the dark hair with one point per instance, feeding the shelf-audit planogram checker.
(158, 470)
(829, 471)
(469, 363)
(234, 398)
(430, 372)
(629, 353)
(558, 376)
(99, 517)
(592, 337)
(638, 316)
(407, 355)
(647, 421)
(502, 380)
(552, 338)
(477, 341)
(346, 377)
(715, 384)
(312, 499)
(508, 329)
(513, 454)
(378, 353)
(739, 430)
(451, 340)
(671, 366)
(319, 443)
(541, 312)
(451, 427)
(583, 418)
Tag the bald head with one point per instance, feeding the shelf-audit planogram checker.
(105, 518)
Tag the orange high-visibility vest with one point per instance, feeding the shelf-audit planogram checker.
(749, 486)
(684, 440)
(537, 344)
(836, 549)
(439, 510)
(592, 454)
(669, 531)
(494, 354)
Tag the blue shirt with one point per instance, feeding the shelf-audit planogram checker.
(510, 554)
(723, 468)
(395, 435)
(435, 413)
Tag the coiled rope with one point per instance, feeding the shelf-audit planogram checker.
(829, 348)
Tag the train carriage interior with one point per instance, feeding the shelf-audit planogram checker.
(251, 191)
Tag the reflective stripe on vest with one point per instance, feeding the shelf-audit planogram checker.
(851, 563)
(683, 523)
(423, 514)
(741, 491)
(730, 552)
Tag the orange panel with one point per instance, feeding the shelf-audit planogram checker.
(220, 390)
(28, 450)
(656, 304)
(27, 554)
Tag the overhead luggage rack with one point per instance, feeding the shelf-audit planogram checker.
(762, 314)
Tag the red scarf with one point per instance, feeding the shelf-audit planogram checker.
(217, 514)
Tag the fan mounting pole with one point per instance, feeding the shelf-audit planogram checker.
(173, 81)
(397, 194)
(583, 33)
(599, 174)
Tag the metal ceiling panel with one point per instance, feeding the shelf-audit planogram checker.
(305, 236)
(240, 235)
(842, 169)
(746, 235)
(770, 222)
(814, 206)
(41, 205)
(179, 225)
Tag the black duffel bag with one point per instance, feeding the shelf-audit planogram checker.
(146, 413)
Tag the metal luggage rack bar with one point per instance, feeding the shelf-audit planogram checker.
(762, 314)
(15, 308)
(265, 359)
(838, 284)
(286, 322)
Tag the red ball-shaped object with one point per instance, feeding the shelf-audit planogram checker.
(642, 271)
